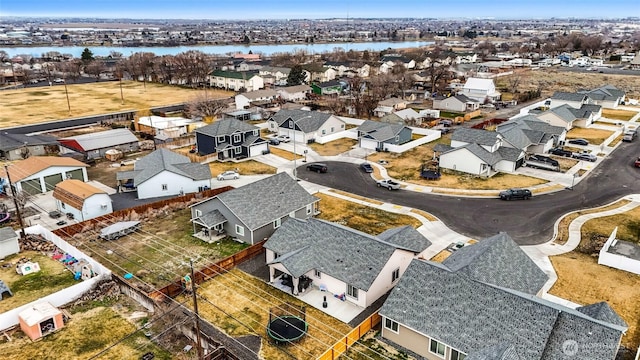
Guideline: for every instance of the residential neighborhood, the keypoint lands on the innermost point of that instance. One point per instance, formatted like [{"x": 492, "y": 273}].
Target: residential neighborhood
[{"x": 475, "y": 197}]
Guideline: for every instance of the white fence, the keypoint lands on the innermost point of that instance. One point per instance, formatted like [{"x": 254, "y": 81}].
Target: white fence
[
  {"x": 351, "y": 134},
  {"x": 617, "y": 261},
  {"x": 429, "y": 136},
  {"x": 10, "y": 318}
]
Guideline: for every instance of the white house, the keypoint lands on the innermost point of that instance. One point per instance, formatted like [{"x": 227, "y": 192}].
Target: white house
[
  {"x": 40, "y": 174},
  {"x": 607, "y": 96},
  {"x": 82, "y": 200},
  {"x": 457, "y": 103},
  {"x": 480, "y": 90},
  {"x": 168, "y": 127},
  {"x": 570, "y": 117},
  {"x": 274, "y": 75},
  {"x": 244, "y": 100},
  {"x": 236, "y": 80},
  {"x": 341, "y": 260},
  {"x": 305, "y": 126},
  {"x": 8, "y": 243},
  {"x": 575, "y": 100},
  {"x": 294, "y": 93}
]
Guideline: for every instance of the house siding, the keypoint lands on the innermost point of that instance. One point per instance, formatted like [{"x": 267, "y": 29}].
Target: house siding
[
  {"x": 450, "y": 104},
  {"x": 554, "y": 120},
  {"x": 53, "y": 170},
  {"x": 462, "y": 160},
  {"x": 405, "y": 136},
  {"x": 205, "y": 143},
  {"x": 232, "y": 220},
  {"x": 413, "y": 341},
  {"x": 175, "y": 185},
  {"x": 399, "y": 259}
]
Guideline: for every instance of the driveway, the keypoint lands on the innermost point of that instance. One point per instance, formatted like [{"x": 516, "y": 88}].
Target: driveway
[{"x": 528, "y": 222}]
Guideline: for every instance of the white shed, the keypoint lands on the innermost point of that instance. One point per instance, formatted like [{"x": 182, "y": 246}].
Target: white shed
[{"x": 8, "y": 242}]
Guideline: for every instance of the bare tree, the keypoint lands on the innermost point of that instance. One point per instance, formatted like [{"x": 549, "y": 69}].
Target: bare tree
[
  {"x": 95, "y": 68},
  {"x": 205, "y": 107},
  {"x": 140, "y": 65},
  {"x": 438, "y": 69},
  {"x": 71, "y": 69},
  {"x": 192, "y": 67}
]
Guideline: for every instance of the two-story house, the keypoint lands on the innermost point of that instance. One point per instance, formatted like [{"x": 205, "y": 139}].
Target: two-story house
[
  {"x": 236, "y": 80},
  {"x": 230, "y": 138},
  {"x": 480, "y": 90}
]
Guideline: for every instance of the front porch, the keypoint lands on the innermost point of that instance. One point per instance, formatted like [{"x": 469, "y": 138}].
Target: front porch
[{"x": 342, "y": 310}]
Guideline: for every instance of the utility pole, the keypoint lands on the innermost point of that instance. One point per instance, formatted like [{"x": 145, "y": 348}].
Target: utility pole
[
  {"x": 195, "y": 310},
  {"x": 15, "y": 202},
  {"x": 67, "y": 93}
]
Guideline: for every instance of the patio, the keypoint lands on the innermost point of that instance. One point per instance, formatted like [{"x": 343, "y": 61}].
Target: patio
[{"x": 344, "y": 311}]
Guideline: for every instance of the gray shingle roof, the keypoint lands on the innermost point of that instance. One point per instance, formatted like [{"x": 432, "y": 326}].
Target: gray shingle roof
[
  {"x": 470, "y": 316},
  {"x": 165, "y": 160},
  {"x": 226, "y": 126},
  {"x": 503, "y": 351},
  {"x": 307, "y": 121},
  {"x": 380, "y": 131},
  {"x": 606, "y": 92},
  {"x": 477, "y": 150},
  {"x": 6, "y": 233},
  {"x": 498, "y": 260},
  {"x": 602, "y": 311},
  {"x": 405, "y": 237},
  {"x": 476, "y": 136},
  {"x": 265, "y": 200},
  {"x": 338, "y": 251},
  {"x": 212, "y": 218},
  {"x": 522, "y": 138},
  {"x": 103, "y": 139},
  {"x": 509, "y": 154},
  {"x": 567, "y": 96},
  {"x": 565, "y": 112},
  {"x": 10, "y": 142}
]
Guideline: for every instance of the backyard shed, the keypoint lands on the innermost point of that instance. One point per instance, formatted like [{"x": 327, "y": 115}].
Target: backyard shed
[
  {"x": 39, "y": 320},
  {"x": 8, "y": 242},
  {"x": 4, "y": 290}
]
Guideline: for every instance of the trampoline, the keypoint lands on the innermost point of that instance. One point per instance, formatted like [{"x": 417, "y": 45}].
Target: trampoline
[{"x": 286, "y": 329}]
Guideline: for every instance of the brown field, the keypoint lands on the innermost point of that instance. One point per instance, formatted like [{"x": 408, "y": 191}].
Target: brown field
[
  {"x": 249, "y": 167},
  {"x": 357, "y": 197},
  {"x": 246, "y": 311},
  {"x": 594, "y": 136},
  {"x": 334, "y": 147},
  {"x": 618, "y": 114},
  {"x": 34, "y": 105},
  {"x": 563, "y": 226},
  {"x": 582, "y": 280},
  {"x": 425, "y": 214},
  {"x": 363, "y": 218},
  {"x": 628, "y": 224},
  {"x": 287, "y": 155}
]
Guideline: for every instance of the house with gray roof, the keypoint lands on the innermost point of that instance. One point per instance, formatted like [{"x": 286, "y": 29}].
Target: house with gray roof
[
  {"x": 252, "y": 213},
  {"x": 465, "y": 310},
  {"x": 532, "y": 134},
  {"x": 94, "y": 145},
  {"x": 458, "y": 103},
  {"x": 342, "y": 260},
  {"x": 607, "y": 96},
  {"x": 569, "y": 117},
  {"x": 480, "y": 152},
  {"x": 256, "y": 97},
  {"x": 236, "y": 80},
  {"x": 21, "y": 146},
  {"x": 572, "y": 99},
  {"x": 230, "y": 138},
  {"x": 306, "y": 126},
  {"x": 294, "y": 93},
  {"x": 164, "y": 173},
  {"x": 374, "y": 135}
]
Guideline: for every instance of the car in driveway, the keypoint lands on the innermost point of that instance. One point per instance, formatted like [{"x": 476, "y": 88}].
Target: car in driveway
[
  {"x": 585, "y": 157},
  {"x": 561, "y": 152},
  {"x": 274, "y": 141},
  {"x": 637, "y": 162},
  {"x": 366, "y": 167},
  {"x": 389, "y": 184},
  {"x": 544, "y": 159},
  {"x": 228, "y": 175},
  {"x": 513, "y": 194},
  {"x": 582, "y": 142},
  {"x": 283, "y": 138},
  {"x": 317, "y": 167}
]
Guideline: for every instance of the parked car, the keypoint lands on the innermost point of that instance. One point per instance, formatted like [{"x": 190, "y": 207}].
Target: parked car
[
  {"x": 582, "y": 142},
  {"x": 58, "y": 80},
  {"x": 389, "y": 184},
  {"x": 274, "y": 141},
  {"x": 228, "y": 175},
  {"x": 629, "y": 135},
  {"x": 366, "y": 167},
  {"x": 637, "y": 163},
  {"x": 511, "y": 194},
  {"x": 317, "y": 167},
  {"x": 561, "y": 152},
  {"x": 544, "y": 159},
  {"x": 585, "y": 156},
  {"x": 284, "y": 138}
]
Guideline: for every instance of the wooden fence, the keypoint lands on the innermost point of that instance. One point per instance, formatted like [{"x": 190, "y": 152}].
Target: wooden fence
[
  {"x": 351, "y": 338},
  {"x": 209, "y": 271},
  {"x": 120, "y": 215}
]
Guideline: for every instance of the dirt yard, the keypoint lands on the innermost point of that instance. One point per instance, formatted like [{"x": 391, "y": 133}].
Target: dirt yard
[
  {"x": 34, "y": 105},
  {"x": 335, "y": 147},
  {"x": 583, "y": 281},
  {"x": 593, "y": 136},
  {"x": 618, "y": 114}
]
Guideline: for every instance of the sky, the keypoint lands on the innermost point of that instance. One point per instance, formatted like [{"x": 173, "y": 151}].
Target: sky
[{"x": 298, "y": 9}]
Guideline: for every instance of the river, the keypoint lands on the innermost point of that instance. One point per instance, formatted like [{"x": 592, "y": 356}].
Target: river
[{"x": 76, "y": 51}]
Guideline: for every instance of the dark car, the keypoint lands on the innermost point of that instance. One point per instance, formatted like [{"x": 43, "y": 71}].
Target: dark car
[
  {"x": 561, "y": 152},
  {"x": 585, "y": 156},
  {"x": 544, "y": 159},
  {"x": 582, "y": 142},
  {"x": 511, "y": 194},
  {"x": 317, "y": 167},
  {"x": 366, "y": 167},
  {"x": 274, "y": 141}
]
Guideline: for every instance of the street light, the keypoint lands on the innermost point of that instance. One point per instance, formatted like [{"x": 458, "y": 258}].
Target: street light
[{"x": 295, "y": 155}]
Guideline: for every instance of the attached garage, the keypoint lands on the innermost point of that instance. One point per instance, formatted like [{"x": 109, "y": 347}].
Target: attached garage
[{"x": 258, "y": 149}]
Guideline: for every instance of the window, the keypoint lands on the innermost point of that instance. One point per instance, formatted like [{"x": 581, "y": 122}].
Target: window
[
  {"x": 324, "y": 132},
  {"x": 391, "y": 325},
  {"x": 239, "y": 230},
  {"x": 237, "y": 138},
  {"x": 342, "y": 126},
  {"x": 352, "y": 291},
  {"x": 62, "y": 205},
  {"x": 397, "y": 138},
  {"x": 277, "y": 223},
  {"x": 332, "y": 129},
  {"x": 457, "y": 355},
  {"x": 309, "y": 209},
  {"x": 221, "y": 138},
  {"x": 165, "y": 187},
  {"x": 317, "y": 273},
  {"x": 395, "y": 275},
  {"x": 436, "y": 347},
  {"x": 291, "y": 124},
  {"x": 237, "y": 150},
  {"x": 255, "y": 132}
]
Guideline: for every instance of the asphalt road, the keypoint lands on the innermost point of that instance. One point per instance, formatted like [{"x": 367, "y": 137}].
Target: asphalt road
[{"x": 528, "y": 222}]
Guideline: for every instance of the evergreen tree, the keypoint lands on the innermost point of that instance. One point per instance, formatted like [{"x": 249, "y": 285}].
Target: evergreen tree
[
  {"x": 87, "y": 56},
  {"x": 296, "y": 76}
]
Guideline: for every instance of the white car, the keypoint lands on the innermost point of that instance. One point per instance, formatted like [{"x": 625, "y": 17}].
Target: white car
[
  {"x": 58, "y": 81},
  {"x": 284, "y": 138},
  {"x": 228, "y": 175},
  {"x": 389, "y": 184}
]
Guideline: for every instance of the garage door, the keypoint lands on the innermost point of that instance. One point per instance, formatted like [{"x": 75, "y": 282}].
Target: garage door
[
  {"x": 31, "y": 187},
  {"x": 519, "y": 163},
  {"x": 75, "y": 174},
  {"x": 51, "y": 181},
  {"x": 257, "y": 149}
]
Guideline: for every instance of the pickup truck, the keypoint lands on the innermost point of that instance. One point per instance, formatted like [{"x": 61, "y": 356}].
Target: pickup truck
[
  {"x": 389, "y": 184},
  {"x": 629, "y": 135}
]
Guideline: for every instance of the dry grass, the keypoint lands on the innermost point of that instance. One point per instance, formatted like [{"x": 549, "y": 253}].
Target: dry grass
[
  {"x": 582, "y": 280},
  {"x": 360, "y": 217},
  {"x": 371, "y": 348},
  {"x": 565, "y": 162},
  {"x": 357, "y": 197},
  {"x": 84, "y": 336},
  {"x": 563, "y": 226},
  {"x": 247, "y": 306},
  {"x": 424, "y": 214},
  {"x": 52, "y": 277},
  {"x": 618, "y": 114},
  {"x": 594, "y": 136},
  {"x": 441, "y": 256},
  {"x": 285, "y": 154},
  {"x": 334, "y": 147},
  {"x": 628, "y": 224},
  {"x": 615, "y": 141},
  {"x": 462, "y": 192},
  {"x": 470, "y": 182},
  {"x": 34, "y": 105},
  {"x": 248, "y": 167}
]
